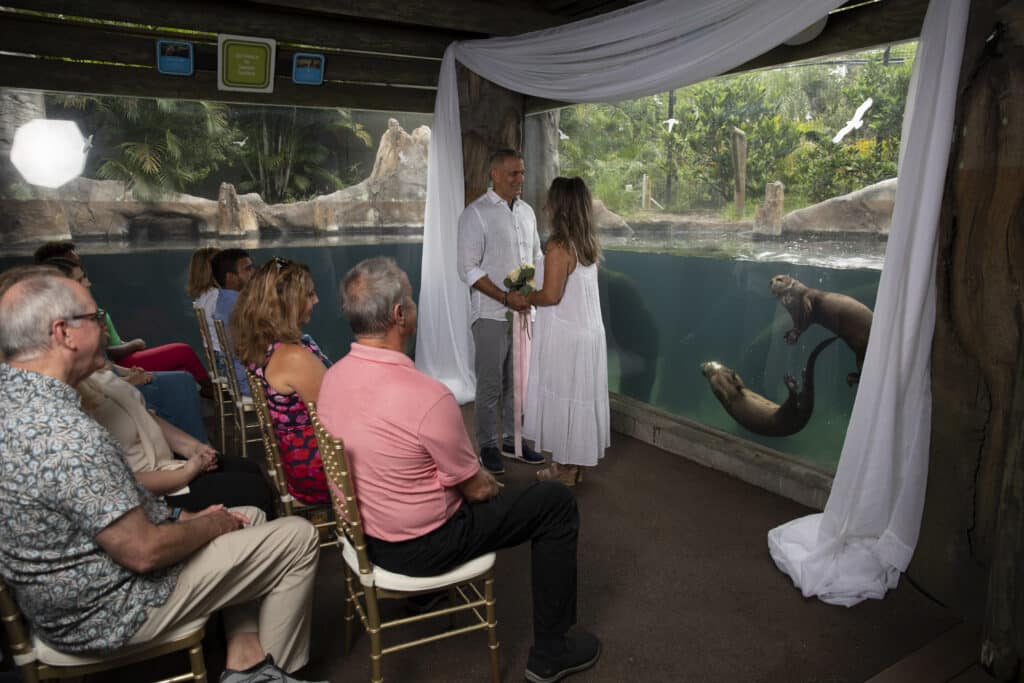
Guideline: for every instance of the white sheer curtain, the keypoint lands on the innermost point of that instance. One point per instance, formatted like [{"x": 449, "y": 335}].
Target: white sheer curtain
[
  {"x": 868, "y": 532},
  {"x": 639, "y": 50},
  {"x": 865, "y": 538}
]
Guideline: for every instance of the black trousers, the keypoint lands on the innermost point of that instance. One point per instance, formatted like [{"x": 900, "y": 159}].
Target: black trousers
[
  {"x": 543, "y": 513},
  {"x": 235, "y": 482}
]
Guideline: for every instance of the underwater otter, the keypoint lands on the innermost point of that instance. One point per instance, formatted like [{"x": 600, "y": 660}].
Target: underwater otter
[
  {"x": 839, "y": 314},
  {"x": 756, "y": 413}
]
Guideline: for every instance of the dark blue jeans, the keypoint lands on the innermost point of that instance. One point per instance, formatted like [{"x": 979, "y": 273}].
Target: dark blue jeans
[
  {"x": 543, "y": 513},
  {"x": 173, "y": 396}
]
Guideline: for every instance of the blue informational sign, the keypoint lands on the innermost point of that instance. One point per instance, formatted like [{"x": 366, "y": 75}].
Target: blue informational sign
[
  {"x": 174, "y": 57},
  {"x": 308, "y": 68}
]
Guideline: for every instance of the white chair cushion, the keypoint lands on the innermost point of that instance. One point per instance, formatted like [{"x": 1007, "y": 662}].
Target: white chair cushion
[
  {"x": 391, "y": 581},
  {"x": 48, "y": 655}
]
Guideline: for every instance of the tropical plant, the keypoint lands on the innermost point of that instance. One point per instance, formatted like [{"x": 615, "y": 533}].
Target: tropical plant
[
  {"x": 708, "y": 116},
  {"x": 290, "y": 153},
  {"x": 789, "y": 115},
  {"x": 155, "y": 146}
]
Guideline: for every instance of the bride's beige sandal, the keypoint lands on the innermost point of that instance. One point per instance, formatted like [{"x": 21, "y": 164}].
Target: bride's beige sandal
[{"x": 567, "y": 474}]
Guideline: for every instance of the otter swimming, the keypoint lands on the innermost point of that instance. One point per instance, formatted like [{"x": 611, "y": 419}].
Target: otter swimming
[
  {"x": 756, "y": 413},
  {"x": 840, "y": 314}
]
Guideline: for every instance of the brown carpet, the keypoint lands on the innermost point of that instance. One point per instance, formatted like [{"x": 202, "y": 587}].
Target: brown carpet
[{"x": 675, "y": 578}]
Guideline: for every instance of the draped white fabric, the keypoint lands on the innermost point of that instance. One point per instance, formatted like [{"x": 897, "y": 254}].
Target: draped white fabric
[
  {"x": 865, "y": 538},
  {"x": 867, "y": 534},
  {"x": 643, "y": 49}
]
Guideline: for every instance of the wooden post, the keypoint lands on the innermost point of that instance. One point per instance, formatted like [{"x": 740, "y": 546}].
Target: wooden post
[
  {"x": 739, "y": 169},
  {"x": 645, "y": 202}
]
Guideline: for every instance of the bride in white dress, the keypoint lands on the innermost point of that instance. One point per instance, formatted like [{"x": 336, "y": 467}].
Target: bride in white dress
[{"x": 566, "y": 408}]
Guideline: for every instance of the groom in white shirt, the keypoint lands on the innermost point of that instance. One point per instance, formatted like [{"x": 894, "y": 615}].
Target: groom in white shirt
[{"x": 497, "y": 233}]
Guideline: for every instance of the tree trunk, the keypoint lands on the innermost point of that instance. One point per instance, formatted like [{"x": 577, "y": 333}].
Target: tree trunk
[
  {"x": 969, "y": 552},
  {"x": 492, "y": 119}
]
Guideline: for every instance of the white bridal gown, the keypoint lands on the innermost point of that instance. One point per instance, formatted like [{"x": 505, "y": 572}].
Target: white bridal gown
[{"x": 566, "y": 408}]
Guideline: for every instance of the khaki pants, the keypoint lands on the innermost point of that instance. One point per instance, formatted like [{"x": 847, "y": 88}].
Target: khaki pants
[{"x": 263, "y": 574}]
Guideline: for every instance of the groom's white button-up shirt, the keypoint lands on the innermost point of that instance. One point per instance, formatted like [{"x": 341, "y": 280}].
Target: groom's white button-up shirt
[{"x": 493, "y": 241}]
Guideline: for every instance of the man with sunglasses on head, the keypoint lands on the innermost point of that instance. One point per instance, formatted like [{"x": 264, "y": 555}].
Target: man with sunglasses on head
[{"x": 96, "y": 563}]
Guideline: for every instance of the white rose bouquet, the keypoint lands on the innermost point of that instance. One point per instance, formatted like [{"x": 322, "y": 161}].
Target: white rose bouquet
[{"x": 520, "y": 280}]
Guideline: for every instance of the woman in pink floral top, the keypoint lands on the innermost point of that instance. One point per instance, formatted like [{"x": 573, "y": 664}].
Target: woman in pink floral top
[{"x": 266, "y": 327}]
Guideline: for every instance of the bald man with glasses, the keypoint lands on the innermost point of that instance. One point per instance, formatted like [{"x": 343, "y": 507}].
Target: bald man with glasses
[{"x": 96, "y": 562}]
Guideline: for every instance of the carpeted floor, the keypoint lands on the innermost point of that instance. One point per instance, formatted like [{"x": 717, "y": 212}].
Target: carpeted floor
[{"x": 675, "y": 578}]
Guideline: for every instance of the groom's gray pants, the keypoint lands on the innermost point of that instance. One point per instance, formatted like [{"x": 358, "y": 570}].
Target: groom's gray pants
[{"x": 493, "y": 340}]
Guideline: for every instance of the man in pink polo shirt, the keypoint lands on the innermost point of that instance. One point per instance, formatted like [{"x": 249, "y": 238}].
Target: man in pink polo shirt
[{"x": 426, "y": 504}]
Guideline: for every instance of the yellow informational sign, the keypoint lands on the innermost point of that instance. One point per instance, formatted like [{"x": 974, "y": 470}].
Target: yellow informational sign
[{"x": 245, "y": 63}]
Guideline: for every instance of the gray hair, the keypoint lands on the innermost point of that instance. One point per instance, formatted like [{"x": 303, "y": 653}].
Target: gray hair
[
  {"x": 498, "y": 156},
  {"x": 28, "y": 308},
  {"x": 368, "y": 294}
]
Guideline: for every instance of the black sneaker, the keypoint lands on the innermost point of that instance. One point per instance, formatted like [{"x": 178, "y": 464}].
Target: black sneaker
[
  {"x": 490, "y": 456},
  {"x": 579, "y": 651},
  {"x": 264, "y": 672},
  {"x": 530, "y": 456}
]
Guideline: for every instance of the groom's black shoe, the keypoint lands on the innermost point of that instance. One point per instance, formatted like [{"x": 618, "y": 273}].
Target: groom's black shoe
[
  {"x": 490, "y": 456},
  {"x": 530, "y": 456}
]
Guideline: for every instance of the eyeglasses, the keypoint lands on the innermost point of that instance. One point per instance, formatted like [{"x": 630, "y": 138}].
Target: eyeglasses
[
  {"x": 280, "y": 262},
  {"x": 98, "y": 317}
]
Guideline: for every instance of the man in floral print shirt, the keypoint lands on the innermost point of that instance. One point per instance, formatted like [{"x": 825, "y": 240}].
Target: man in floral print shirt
[{"x": 95, "y": 561}]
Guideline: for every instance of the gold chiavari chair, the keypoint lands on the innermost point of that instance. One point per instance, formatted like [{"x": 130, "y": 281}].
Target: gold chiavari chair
[
  {"x": 37, "y": 661},
  {"x": 247, "y": 428},
  {"x": 366, "y": 585},
  {"x": 222, "y": 393},
  {"x": 322, "y": 516}
]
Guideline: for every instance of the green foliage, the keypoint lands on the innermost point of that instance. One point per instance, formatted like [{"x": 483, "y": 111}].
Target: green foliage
[
  {"x": 289, "y": 153},
  {"x": 610, "y": 146},
  {"x": 789, "y": 116},
  {"x": 829, "y": 170},
  {"x": 159, "y": 146},
  {"x": 155, "y": 146}
]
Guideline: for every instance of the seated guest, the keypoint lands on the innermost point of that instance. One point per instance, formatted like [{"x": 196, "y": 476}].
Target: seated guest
[
  {"x": 232, "y": 270},
  {"x": 94, "y": 560},
  {"x": 171, "y": 394},
  {"x": 426, "y": 504},
  {"x": 266, "y": 326},
  {"x": 202, "y": 287},
  {"x": 176, "y": 356},
  {"x": 150, "y": 444}
]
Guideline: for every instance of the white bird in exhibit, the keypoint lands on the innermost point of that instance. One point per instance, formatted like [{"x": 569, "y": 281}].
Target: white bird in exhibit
[
  {"x": 856, "y": 122},
  {"x": 671, "y": 123}
]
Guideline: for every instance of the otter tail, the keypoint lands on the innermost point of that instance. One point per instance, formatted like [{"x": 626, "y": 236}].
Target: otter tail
[{"x": 808, "y": 392}]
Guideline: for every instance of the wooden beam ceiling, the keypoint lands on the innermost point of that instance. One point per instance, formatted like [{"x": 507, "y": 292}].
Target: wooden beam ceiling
[
  {"x": 471, "y": 16},
  {"x": 221, "y": 16},
  {"x": 381, "y": 54}
]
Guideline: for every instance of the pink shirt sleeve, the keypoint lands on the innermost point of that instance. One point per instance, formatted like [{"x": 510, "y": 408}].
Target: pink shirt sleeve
[{"x": 443, "y": 434}]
